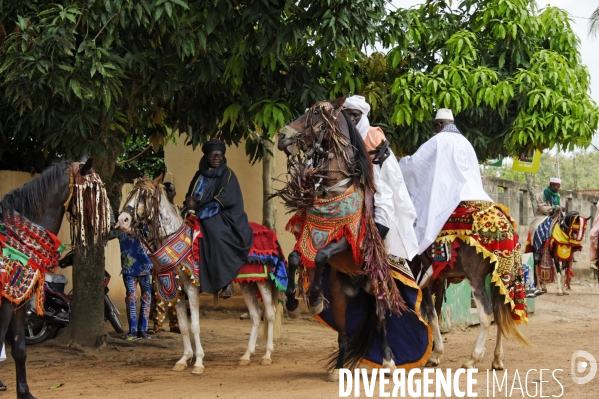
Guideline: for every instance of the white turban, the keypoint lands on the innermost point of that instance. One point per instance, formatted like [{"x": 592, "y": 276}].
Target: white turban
[
  {"x": 359, "y": 103},
  {"x": 555, "y": 180}
]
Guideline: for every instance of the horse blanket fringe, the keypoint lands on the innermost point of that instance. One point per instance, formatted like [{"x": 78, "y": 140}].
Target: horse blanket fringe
[
  {"x": 491, "y": 230},
  {"x": 181, "y": 251},
  {"x": 28, "y": 252},
  {"x": 265, "y": 260}
]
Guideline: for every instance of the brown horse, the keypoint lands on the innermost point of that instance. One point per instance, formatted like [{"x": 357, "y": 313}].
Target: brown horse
[
  {"x": 39, "y": 207},
  {"x": 334, "y": 162}
]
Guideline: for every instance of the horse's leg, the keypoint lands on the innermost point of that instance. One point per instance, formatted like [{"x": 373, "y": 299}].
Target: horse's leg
[
  {"x": 269, "y": 318},
  {"x": 388, "y": 362},
  {"x": 498, "y": 355},
  {"x": 427, "y": 307},
  {"x": 485, "y": 315},
  {"x": 184, "y": 327},
  {"x": 19, "y": 351},
  {"x": 193, "y": 294},
  {"x": 215, "y": 301},
  {"x": 293, "y": 309},
  {"x": 558, "y": 277},
  {"x": 565, "y": 268},
  {"x": 6, "y": 313},
  {"x": 339, "y": 306},
  {"x": 321, "y": 258},
  {"x": 249, "y": 296}
]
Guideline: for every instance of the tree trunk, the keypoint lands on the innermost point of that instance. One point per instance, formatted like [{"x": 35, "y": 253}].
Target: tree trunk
[
  {"x": 530, "y": 186},
  {"x": 268, "y": 171},
  {"x": 87, "y": 309}
]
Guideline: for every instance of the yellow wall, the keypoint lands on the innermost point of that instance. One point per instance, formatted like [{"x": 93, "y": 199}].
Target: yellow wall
[{"x": 182, "y": 162}]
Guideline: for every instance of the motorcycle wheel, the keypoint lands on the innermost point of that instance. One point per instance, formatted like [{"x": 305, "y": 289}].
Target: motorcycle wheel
[
  {"x": 38, "y": 331},
  {"x": 111, "y": 314}
]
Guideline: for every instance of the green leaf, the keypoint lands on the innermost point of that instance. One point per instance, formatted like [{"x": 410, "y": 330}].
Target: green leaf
[{"x": 76, "y": 87}]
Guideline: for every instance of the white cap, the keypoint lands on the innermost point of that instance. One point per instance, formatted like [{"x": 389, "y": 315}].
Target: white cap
[
  {"x": 555, "y": 180},
  {"x": 444, "y": 113}
]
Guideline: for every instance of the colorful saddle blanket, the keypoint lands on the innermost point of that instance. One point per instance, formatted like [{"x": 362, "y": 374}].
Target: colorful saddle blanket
[
  {"x": 265, "y": 260},
  {"x": 181, "y": 251},
  {"x": 28, "y": 252},
  {"x": 329, "y": 220},
  {"x": 491, "y": 230}
]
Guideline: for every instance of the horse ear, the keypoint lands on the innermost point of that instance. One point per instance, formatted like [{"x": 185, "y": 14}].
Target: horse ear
[
  {"x": 158, "y": 181},
  {"x": 337, "y": 103},
  {"x": 87, "y": 167}
]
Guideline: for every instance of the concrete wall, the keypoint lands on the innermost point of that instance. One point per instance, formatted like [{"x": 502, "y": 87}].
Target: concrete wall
[{"x": 515, "y": 196}]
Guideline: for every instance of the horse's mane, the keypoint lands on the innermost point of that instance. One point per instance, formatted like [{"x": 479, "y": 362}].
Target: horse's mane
[
  {"x": 362, "y": 158},
  {"x": 31, "y": 199}
]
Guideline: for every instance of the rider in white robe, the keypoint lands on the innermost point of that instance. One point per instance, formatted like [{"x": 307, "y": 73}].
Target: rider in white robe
[
  {"x": 441, "y": 174},
  {"x": 393, "y": 208}
]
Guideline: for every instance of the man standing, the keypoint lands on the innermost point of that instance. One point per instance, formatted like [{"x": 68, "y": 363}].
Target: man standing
[
  {"x": 214, "y": 194},
  {"x": 443, "y": 173},
  {"x": 394, "y": 213}
]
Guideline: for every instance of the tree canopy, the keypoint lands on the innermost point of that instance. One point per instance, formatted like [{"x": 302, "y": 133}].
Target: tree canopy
[{"x": 511, "y": 73}]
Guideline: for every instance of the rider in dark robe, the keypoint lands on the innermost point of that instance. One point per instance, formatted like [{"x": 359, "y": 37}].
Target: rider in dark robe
[{"x": 226, "y": 234}]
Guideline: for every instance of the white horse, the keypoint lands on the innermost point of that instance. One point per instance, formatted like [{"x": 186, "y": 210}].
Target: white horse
[{"x": 147, "y": 207}]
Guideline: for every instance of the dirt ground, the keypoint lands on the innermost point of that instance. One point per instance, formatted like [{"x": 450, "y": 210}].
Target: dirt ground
[{"x": 142, "y": 369}]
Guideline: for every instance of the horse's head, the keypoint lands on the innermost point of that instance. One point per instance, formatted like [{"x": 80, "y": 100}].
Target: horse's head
[
  {"x": 148, "y": 212},
  {"x": 314, "y": 126},
  {"x": 574, "y": 225}
]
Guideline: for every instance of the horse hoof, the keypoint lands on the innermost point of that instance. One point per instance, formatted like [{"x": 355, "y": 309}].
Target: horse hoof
[
  {"x": 244, "y": 362},
  {"x": 497, "y": 365},
  {"x": 179, "y": 367},
  {"x": 266, "y": 362},
  {"x": 294, "y": 314},
  {"x": 197, "y": 370},
  {"x": 333, "y": 376},
  {"x": 431, "y": 363},
  {"x": 560, "y": 294},
  {"x": 468, "y": 365},
  {"x": 389, "y": 364},
  {"x": 317, "y": 307}
]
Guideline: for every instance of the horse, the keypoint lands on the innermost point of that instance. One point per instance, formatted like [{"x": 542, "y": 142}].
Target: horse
[
  {"x": 554, "y": 243},
  {"x": 32, "y": 216},
  {"x": 148, "y": 209},
  {"x": 327, "y": 153}
]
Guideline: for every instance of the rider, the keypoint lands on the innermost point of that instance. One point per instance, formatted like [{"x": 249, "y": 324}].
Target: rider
[
  {"x": 548, "y": 209},
  {"x": 439, "y": 176},
  {"x": 215, "y": 195},
  {"x": 159, "y": 310},
  {"x": 394, "y": 213}
]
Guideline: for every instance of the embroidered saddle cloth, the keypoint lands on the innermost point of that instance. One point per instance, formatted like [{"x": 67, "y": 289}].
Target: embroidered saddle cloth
[
  {"x": 180, "y": 252},
  {"x": 28, "y": 252},
  {"x": 491, "y": 230}
]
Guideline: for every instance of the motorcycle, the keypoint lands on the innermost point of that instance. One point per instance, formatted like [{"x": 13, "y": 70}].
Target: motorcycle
[{"x": 57, "y": 307}]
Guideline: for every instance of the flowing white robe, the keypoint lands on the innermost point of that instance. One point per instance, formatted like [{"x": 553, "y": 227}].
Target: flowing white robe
[
  {"x": 393, "y": 207},
  {"x": 442, "y": 173}
]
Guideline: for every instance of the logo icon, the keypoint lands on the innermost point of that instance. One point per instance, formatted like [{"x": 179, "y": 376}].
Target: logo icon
[{"x": 579, "y": 366}]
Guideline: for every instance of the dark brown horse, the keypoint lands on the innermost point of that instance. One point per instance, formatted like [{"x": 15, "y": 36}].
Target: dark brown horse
[
  {"x": 334, "y": 161},
  {"x": 44, "y": 201}
]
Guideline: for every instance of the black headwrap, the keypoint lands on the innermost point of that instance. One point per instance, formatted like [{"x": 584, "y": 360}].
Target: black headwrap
[{"x": 214, "y": 145}]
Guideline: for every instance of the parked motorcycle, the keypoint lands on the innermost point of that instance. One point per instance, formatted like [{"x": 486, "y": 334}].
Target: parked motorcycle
[{"x": 57, "y": 307}]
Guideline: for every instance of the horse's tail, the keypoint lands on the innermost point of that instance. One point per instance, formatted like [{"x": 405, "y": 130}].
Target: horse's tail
[
  {"x": 503, "y": 317},
  {"x": 361, "y": 339}
]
